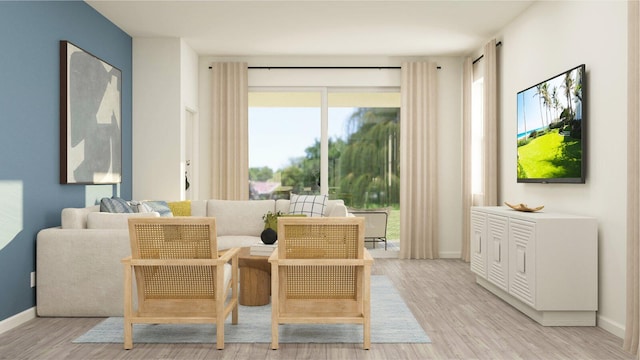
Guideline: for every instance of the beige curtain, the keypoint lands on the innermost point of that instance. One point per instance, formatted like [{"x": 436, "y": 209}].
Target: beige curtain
[
  {"x": 418, "y": 162},
  {"x": 490, "y": 127},
  {"x": 230, "y": 134},
  {"x": 467, "y": 196},
  {"x": 489, "y": 142},
  {"x": 632, "y": 333}
]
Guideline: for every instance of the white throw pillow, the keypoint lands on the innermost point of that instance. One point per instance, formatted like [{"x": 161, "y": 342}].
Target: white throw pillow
[{"x": 310, "y": 205}]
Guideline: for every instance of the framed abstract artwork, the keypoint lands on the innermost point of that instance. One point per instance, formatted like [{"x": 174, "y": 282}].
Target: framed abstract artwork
[{"x": 90, "y": 118}]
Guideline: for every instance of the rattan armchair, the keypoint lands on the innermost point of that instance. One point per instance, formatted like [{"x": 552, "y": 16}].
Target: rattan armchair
[
  {"x": 179, "y": 276},
  {"x": 320, "y": 273}
]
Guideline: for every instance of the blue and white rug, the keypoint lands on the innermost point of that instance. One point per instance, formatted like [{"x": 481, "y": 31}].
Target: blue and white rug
[{"x": 391, "y": 322}]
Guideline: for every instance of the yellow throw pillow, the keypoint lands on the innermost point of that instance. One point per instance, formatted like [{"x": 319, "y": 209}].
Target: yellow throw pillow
[{"x": 180, "y": 208}]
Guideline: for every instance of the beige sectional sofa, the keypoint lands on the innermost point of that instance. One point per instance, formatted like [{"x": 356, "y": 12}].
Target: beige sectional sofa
[{"x": 78, "y": 264}]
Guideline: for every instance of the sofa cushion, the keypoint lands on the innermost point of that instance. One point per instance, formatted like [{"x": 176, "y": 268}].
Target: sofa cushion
[
  {"x": 239, "y": 217},
  {"x": 76, "y": 218},
  {"x": 310, "y": 205},
  {"x": 335, "y": 208},
  {"x": 105, "y": 220},
  {"x": 115, "y": 205},
  {"x": 198, "y": 207}
]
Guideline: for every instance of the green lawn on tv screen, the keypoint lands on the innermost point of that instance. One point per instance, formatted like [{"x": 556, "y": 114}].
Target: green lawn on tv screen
[{"x": 550, "y": 156}]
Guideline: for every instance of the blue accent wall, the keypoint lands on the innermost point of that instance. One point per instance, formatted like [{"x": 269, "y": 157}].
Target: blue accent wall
[{"x": 31, "y": 196}]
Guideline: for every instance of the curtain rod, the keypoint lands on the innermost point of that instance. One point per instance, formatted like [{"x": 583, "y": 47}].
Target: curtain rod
[
  {"x": 324, "y": 67},
  {"x": 481, "y": 56},
  {"x": 328, "y": 67}
]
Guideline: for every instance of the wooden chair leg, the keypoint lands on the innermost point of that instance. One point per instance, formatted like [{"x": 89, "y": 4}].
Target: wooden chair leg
[
  {"x": 366, "y": 306},
  {"x": 234, "y": 291},
  {"x": 220, "y": 333},
  {"x": 367, "y": 335},
  {"x": 128, "y": 335},
  {"x": 275, "y": 305},
  {"x": 128, "y": 308},
  {"x": 274, "y": 336},
  {"x": 234, "y": 315}
]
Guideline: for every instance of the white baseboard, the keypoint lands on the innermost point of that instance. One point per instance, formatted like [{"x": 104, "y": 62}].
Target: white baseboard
[
  {"x": 17, "y": 319},
  {"x": 449, "y": 255},
  {"x": 611, "y": 326}
]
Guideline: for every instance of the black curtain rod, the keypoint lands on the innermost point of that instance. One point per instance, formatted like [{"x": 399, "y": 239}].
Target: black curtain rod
[
  {"x": 327, "y": 67},
  {"x": 324, "y": 67},
  {"x": 481, "y": 56}
]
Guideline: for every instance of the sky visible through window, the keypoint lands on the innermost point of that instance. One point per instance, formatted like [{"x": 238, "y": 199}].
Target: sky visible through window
[{"x": 277, "y": 135}]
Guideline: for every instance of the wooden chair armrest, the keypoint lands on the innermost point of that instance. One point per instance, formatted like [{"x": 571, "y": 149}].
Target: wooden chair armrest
[
  {"x": 228, "y": 254},
  {"x": 367, "y": 256}
]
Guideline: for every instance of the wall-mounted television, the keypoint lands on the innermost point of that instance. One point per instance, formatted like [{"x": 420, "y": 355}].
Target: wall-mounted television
[{"x": 551, "y": 130}]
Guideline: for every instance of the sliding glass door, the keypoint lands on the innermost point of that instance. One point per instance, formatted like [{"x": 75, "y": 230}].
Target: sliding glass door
[{"x": 341, "y": 142}]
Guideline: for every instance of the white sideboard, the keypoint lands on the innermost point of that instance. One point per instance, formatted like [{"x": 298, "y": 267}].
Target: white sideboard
[{"x": 543, "y": 264}]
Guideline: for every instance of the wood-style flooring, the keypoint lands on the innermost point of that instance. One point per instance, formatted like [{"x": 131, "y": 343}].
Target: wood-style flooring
[{"x": 463, "y": 320}]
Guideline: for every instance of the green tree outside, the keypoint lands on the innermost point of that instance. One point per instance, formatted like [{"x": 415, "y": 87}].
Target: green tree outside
[{"x": 364, "y": 168}]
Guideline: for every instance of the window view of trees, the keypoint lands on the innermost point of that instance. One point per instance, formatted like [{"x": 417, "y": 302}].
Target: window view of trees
[
  {"x": 364, "y": 166},
  {"x": 369, "y": 160},
  {"x": 361, "y": 145}
]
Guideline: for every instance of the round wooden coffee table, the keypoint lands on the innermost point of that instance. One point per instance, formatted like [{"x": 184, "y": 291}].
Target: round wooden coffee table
[{"x": 255, "y": 278}]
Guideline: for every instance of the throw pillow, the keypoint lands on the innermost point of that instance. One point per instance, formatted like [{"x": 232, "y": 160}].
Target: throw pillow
[
  {"x": 160, "y": 207},
  {"x": 309, "y": 205},
  {"x": 115, "y": 205},
  {"x": 180, "y": 208}
]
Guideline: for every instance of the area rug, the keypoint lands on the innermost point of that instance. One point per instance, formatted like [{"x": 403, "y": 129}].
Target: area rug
[{"x": 391, "y": 322}]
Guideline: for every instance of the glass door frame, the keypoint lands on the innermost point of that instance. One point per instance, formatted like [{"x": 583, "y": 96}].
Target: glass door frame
[{"x": 324, "y": 116}]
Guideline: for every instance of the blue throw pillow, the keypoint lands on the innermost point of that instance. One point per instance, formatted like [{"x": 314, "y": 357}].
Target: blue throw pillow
[
  {"x": 115, "y": 205},
  {"x": 159, "y": 206}
]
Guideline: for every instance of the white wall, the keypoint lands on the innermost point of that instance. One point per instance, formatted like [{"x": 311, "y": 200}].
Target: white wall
[
  {"x": 549, "y": 38},
  {"x": 450, "y": 156},
  {"x": 164, "y": 83},
  {"x": 189, "y": 133},
  {"x": 449, "y": 127}
]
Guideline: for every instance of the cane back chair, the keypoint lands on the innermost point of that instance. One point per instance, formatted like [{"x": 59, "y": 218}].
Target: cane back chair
[
  {"x": 179, "y": 276},
  {"x": 320, "y": 273}
]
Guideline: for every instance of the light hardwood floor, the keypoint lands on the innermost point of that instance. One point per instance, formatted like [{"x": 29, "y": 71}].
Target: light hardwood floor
[{"x": 463, "y": 320}]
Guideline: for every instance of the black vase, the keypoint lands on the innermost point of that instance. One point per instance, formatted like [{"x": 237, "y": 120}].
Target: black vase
[{"x": 269, "y": 236}]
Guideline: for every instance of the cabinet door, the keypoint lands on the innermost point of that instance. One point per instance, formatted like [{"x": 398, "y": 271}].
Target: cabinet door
[
  {"x": 478, "y": 244},
  {"x": 522, "y": 264},
  {"x": 497, "y": 251}
]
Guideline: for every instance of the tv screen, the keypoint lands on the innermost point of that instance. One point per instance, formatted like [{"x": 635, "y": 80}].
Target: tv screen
[{"x": 551, "y": 132}]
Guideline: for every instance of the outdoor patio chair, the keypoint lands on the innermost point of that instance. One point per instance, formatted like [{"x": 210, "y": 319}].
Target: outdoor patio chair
[{"x": 375, "y": 225}]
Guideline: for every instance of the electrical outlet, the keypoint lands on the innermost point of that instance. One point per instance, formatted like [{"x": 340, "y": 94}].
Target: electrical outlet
[{"x": 33, "y": 279}]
